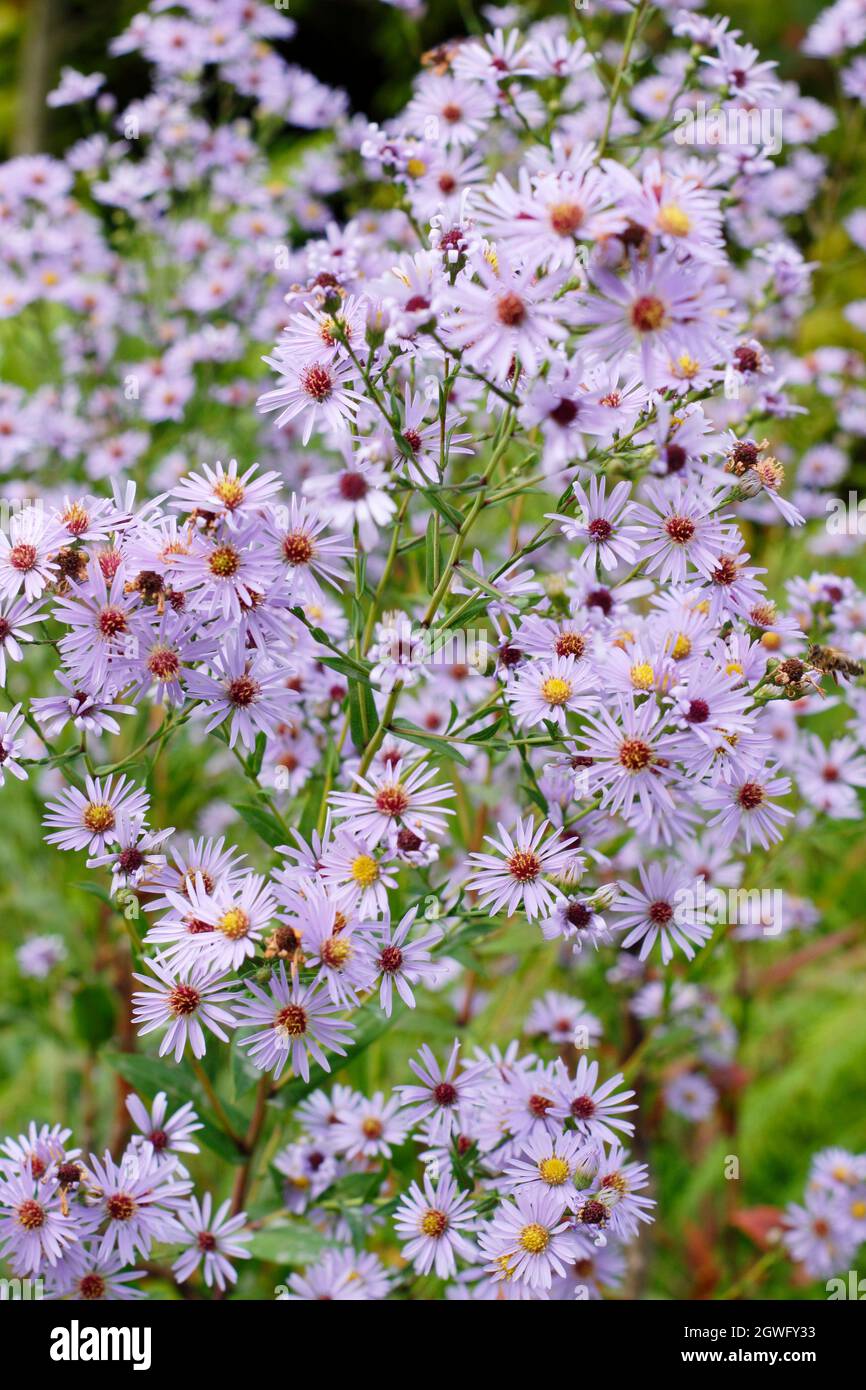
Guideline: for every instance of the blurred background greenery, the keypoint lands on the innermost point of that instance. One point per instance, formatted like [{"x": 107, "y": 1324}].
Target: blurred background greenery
[{"x": 800, "y": 1007}]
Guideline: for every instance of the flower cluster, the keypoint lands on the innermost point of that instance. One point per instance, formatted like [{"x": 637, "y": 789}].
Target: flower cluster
[
  {"x": 825, "y": 1232},
  {"x": 556, "y": 1197},
  {"x": 447, "y": 530},
  {"x": 78, "y": 1223}
]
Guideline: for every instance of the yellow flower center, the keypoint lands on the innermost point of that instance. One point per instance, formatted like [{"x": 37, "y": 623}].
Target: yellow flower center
[
  {"x": 415, "y": 168},
  {"x": 534, "y": 1238},
  {"x": 686, "y": 366},
  {"x": 336, "y": 951},
  {"x": 733, "y": 668},
  {"x": 234, "y": 923},
  {"x": 365, "y": 870},
  {"x": 555, "y": 690},
  {"x": 642, "y": 676},
  {"x": 98, "y": 815},
  {"x": 554, "y": 1171},
  {"x": 434, "y": 1223},
  {"x": 230, "y": 492},
  {"x": 674, "y": 221},
  {"x": 682, "y": 647}
]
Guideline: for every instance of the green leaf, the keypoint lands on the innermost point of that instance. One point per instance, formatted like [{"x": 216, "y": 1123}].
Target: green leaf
[
  {"x": 295, "y": 1244},
  {"x": 352, "y": 670},
  {"x": 258, "y": 754},
  {"x": 427, "y": 740},
  {"x": 453, "y": 517},
  {"x": 266, "y": 826},
  {"x": 93, "y": 1014},
  {"x": 432, "y": 555}
]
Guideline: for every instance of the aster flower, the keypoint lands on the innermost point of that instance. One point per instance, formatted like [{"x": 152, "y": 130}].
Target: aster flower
[
  {"x": 509, "y": 316},
  {"x": 422, "y": 454},
  {"x": 136, "y": 1200},
  {"x": 292, "y": 1022},
  {"x": 28, "y": 553},
  {"x": 431, "y": 1221},
  {"x": 528, "y": 1240},
  {"x": 35, "y": 1229},
  {"x": 543, "y": 219},
  {"x": 166, "y": 1134},
  {"x": 308, "y": 554},
  {"x": 218, "y": 866},
  {"x": 306, "y": 1172},
  {"x": 223, "y": 493},
  {"x": 460, "y": 109},
  {"x": 548, "y": 690},
  {"x": 558, "y": 1017},
  {"x": 88, "y": 713},
  {"x": 348, "y": 864},
  {"x": 39, "y": 955},
  {"x": 90, "y": 821},
  {"x": 247, "y": 687},
  {"x": 596, "y": 1110},
  {"x": 631, "y": 760},
  {"x": 744, "y": 806},
  {"x": 237, "y": 913},
  {"x": 369, "y": 1129},
  {"x": 602, "y": 523},
  {"x": 547, "y": 1165},
  {"x": 443, "y": 1090},
  {"x": 82, "y": 1277},
  {"x": 40, "y": 1150},
  {"x": 136, "y": 854},
  {"x": 326, "y": 936},
  {"x": 319, "y": 390},
  {"x": 691, "y": 1095},
  {"x": 664, "y": 908},
  {"x": 614, "y": 1197},
  {"x": 341, "y": 1276},
  {"x": 578, "y": 921},
  {"x": 386, "y": 800},
  {"x": 10, "y": 746},
  {"x": 662, "y": 307},
  {"x": 184, "y": 1001},
  {"x": 106, "y": 626},
  {"x": 226, "y": 573},
  {"x": 212, "y": 1240},
  {"x": 682, "y": 529},
  {"x": 813, "y": 1235},
  {"x": 516, "y": 878},
  {"x": 402, "y": 963}
]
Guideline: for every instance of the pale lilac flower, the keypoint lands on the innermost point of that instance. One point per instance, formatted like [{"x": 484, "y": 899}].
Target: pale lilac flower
[
  {"x": 211, "y": 1240},
  {"x": 515, "y": 876},
  {"x": 184, "y": 1001},
  {"x": 137, "y": 1201},
  {"x": 400, "y": 962},
  {"x": 165, "y": 1134},
  {"x": 35, "y": 1229},
  {"x": 442, "y": 1092},
  {"x": 528, "y": 1239},
  {"x": 546, "y": 691},
  {"x": 298, "y": 1022},
  {"x": 388, "y": 799},
  {"x": 431, "y": 1221},
  {"x": 11, "y": 746},
  {"x": 90, "y": 822}
]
